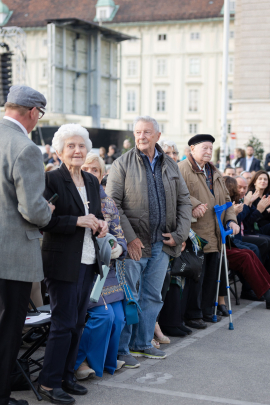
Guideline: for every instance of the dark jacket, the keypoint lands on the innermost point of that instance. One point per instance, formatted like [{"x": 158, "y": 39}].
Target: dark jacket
[
  {"x": 63, "y": 240},
  {"x": 127, "y": 185},
  {"x": 267, "y": 160},
  {"x": 255, "y": 165},
  {"x": 112, "y": 291}
]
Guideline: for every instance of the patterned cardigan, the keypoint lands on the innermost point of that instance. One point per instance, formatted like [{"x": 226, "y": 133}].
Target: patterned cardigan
[{"x": 112, "y": 291}]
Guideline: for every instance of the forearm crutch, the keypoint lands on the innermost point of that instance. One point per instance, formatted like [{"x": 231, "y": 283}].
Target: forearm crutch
[{"x": 218, "y": 210}]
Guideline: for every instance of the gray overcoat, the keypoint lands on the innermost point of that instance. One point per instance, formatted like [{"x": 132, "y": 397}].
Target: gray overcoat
[{"x": 22, "y": 206}]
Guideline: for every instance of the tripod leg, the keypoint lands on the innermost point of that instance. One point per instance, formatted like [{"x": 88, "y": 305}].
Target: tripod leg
[
  {"x": 228, "y": 290},
  {"x": 214, "y": 318}
]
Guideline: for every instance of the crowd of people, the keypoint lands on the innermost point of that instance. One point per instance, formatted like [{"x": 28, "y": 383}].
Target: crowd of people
[{"x": 154, "y": 206}]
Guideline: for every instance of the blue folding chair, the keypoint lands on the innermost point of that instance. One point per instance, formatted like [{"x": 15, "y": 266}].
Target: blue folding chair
[{"x": 219, "y": 210}]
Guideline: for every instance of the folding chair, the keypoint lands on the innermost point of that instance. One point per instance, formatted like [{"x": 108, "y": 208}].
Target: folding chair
[
  {"x": 233, "y": 278},
  {"x": 44, "y": 327}
]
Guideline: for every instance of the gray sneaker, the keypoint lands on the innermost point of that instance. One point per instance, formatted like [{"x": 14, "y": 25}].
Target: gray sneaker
[
  {"x": 130, "y": 361},
  {"x": 151, "y": 353}
]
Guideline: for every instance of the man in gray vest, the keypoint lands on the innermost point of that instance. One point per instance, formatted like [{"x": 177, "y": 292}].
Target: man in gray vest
[
  {"x": 22, "y": 211},
  {"x": 155, "y": 213}
]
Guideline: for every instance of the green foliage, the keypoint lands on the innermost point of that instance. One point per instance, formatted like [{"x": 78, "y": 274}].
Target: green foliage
[{"x": 257, "y": 146}]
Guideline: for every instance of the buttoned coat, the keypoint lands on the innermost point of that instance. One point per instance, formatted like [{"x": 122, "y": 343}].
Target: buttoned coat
[
  {"x": 23, "y": 208},
  {"x": 207, "y": 226},
  {"x": 127, "y": 185}
]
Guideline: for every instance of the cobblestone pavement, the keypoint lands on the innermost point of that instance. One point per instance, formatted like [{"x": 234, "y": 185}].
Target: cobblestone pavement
[{"x": 211, "y": 366}]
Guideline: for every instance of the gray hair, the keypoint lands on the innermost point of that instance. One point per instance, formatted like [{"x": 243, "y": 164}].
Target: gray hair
[
  {"x": 146, "y": 118},
  {"x": 66, "y": 131},
  {"x": 92, "y": 157},
  {"x": 171, "y": 144}
]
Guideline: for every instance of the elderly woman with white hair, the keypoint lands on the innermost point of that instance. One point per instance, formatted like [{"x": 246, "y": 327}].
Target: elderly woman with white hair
[
  {"x": 170, "y": 149},
  {"x": 100, "y": 340},
  {"x": 70, "y": 259}
]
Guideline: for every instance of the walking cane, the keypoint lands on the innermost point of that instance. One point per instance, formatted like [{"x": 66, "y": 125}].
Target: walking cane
[{"x": 218, "y": 210}]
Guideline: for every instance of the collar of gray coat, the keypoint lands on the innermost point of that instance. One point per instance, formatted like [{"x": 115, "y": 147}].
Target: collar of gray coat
[
  {"x": 159, "y": 149},
  {"x": 12, "y": 125}
]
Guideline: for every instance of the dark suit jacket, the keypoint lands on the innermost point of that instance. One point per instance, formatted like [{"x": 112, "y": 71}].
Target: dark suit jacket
[
  {"x": 255, "y": 165},
  {"x": 63, "y": 240}
]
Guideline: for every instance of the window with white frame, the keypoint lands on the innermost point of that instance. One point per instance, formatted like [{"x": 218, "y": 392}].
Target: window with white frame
[
  {"x": 102, "y": 14},
  {"x": 229, "y": 128},
  {"x": 161, "y": 67},
  {"x": 193, "y": 100},
  {"x": 193, "y": 128},
  {"x": 230, "y": 97},
  {"x": 132, "y": 67},
  {"x": 162, "y": 128},
  {"x": 131, "y": 100},
  {"x": 231, "y": 34},
  {"x": 195, "y": 36},
  {"x": 232, "y": 5},
  {"x": 194, "y": 66},
  {"x": 44, "y": 70},
  {"x": 130, "y": 126},
  {"x": 162, "y": 37},
  {"x": 161, "y": 100},
  {"x": 231, "y": 65}
]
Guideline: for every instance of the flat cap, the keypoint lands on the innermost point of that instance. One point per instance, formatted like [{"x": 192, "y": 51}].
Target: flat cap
[
  {"x": 200, "y": 138},
  {"x": 26, "y": 97}
]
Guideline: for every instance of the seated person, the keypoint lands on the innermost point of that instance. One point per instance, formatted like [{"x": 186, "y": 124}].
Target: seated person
[{"x": 100, "y": 339}]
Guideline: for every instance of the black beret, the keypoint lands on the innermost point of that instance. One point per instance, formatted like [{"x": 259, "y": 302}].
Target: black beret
[{"x": 201, "y": 138}]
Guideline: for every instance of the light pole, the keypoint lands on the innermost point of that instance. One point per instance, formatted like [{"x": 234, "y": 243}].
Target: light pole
[{"x": 224, "y": 94}]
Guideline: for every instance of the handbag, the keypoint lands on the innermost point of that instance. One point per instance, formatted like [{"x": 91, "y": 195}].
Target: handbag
[
  {"x": 189, "y": 264},
  {"x": 17, "y": 379},
  {"x": 96, "y": 291},
  {"x": 130, "y": 305}
]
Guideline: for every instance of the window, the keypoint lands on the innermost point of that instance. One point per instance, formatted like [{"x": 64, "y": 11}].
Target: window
[
  {"x": 162, "y": 128},
  {"x": 194, "y": 66},
  {"x": 131, "y": 101},
  {"x": 195, "y": 36},
  {"x": 130, "y": 126},
  {"x": 231, "y": 65},
  {"x": 193, "y": 97},
  {"x": 231, "y": 34},
  {"x": 232, "y": 5},
  {"x": 162, "y": 37},
  {"x": 161, "y": 67},
  {"x": 44, "y": 70},
  {"x": 229, "y": 128},
  {"x": 161, "y": 100},
  {"x": 102, "y": 14},
  {"x": 193, "y": 128},
  {"x": 132, "y": 68},
  {"x": 230, "y": 96},
  {"x": 103, "y": 125},
  {"x": 44, "y": 42}
]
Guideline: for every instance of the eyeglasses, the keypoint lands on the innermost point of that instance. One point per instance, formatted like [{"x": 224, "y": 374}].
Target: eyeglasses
[
  {"x": 40, "y": 114},
  {"x": 172, "y": 153}
]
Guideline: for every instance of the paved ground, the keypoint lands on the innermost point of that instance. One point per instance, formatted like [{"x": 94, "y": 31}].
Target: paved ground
[{"x": 213, "y": 366}]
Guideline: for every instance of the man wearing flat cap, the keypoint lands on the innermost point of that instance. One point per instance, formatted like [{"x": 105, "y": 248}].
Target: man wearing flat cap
[
  {"x": 207, "y": 189},
  {"x": 22, "y": 211}
]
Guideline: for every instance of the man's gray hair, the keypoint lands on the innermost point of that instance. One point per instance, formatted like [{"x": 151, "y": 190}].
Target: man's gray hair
[
  {"x": 171, "y": 144},
  {"x": 241, "y": 177},
  {"x": 146, "y": 118}
]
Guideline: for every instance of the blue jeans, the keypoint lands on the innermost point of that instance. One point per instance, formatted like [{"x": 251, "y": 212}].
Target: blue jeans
[{"x": 150, "y": 272}]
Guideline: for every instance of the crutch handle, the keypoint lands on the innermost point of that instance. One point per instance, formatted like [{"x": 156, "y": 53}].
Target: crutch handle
[{"x": 218, "y": 210}]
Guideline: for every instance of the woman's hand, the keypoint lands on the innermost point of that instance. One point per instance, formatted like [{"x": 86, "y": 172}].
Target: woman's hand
[
  {"x": 117, "y": 251},
  {"x": 254, "y": 197},
  {"x": 102, "y": 229},
  {"x": 248, "y": 197},
  {"x": 237, "y": 208},
  {"x": 89, "y": 221},
  {"x": 263, "y": 204}
]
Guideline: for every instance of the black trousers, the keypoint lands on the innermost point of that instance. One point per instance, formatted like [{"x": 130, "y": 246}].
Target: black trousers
[
  {"x": 69, "y": 302},
  {"x": 202, "y": 295},
  {"x": 14, "y": 300}
]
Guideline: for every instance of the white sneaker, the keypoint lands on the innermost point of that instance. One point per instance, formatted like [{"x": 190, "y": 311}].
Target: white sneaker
[
  {"x": 120, "y": 364},
  {"x": 84, "y": 371}
]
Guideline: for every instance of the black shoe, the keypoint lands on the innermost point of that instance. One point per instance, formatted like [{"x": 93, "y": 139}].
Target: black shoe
[
  {"x": 172, "y": 331},
  {"x": 209, "y": 318},
  {"x": 13, "y": 401},
  {"x": 32, "y": 338},
  {"x": 250, "y": 295},
  {"x": 185, "y": 329},
  {"x": 223, "y": 309},
  {"x": 73, "y": 388},
  {"x": 196, "y": 323},
  {"x": 56, "y": 396},
  {"x": 267, "y": 305}
]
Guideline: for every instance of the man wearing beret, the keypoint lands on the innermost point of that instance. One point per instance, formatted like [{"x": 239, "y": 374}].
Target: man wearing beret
[
  {"x": 22, "y": 211},
  {"x": 207, "y": 189}
]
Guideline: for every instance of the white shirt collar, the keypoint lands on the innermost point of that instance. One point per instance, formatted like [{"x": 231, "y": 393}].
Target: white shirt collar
[
  {"x": 17, "y": 123},
  {"x": 201, "y": 168}
]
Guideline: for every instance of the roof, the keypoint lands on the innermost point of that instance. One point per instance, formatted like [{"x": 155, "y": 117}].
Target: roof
[
  {"x": 3, "y": 7},
  {"x": 105, "y": 3},
  {"x": 33, "y": 13}
]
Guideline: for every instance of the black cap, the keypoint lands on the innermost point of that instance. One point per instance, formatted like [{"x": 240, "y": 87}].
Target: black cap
[{"x": 200, "y": 138}]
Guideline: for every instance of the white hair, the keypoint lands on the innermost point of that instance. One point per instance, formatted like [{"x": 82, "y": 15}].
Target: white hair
[
  {"x": 171, "y": 144},
  {"x": 92, "y": 157},
  {"x": 67, "y": 131},
  {"x": 146, "y": 118}
]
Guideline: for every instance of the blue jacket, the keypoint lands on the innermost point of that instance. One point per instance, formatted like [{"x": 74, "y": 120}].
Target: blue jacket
[{"x": 112, "y": 291}]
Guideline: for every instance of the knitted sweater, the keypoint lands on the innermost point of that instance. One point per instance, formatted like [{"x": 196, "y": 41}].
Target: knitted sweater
[{"x": 157, "y": 200}]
